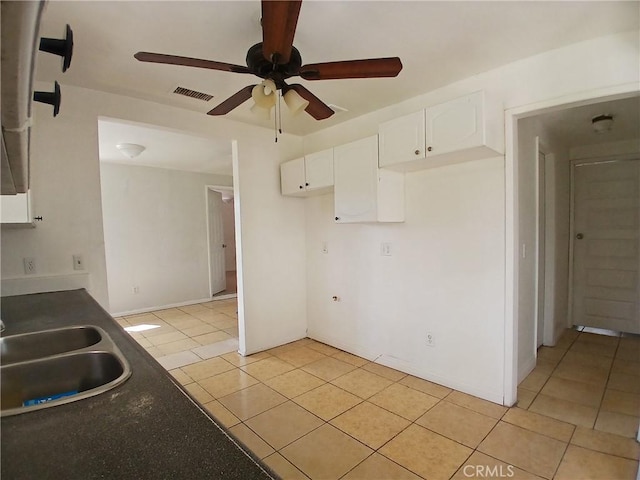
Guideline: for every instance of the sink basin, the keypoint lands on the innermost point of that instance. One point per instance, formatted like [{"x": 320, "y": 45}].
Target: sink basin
[
  {"x": 53, "y": 367},
  {"x": 30, "y": 346},
  {"x": 46, "y": 382}
]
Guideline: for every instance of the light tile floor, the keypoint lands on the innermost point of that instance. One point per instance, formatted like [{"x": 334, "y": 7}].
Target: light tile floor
[
  {"x": 588, "y": 380},
  {"x": 312, "y": 411}
]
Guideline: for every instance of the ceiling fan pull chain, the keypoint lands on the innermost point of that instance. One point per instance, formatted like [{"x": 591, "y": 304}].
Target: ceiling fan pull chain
[
  {"x": 275, "y": 120},
  {"x": 279, "y": 92}
]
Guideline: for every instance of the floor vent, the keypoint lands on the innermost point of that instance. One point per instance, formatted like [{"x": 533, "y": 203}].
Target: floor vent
[{"x": 187, "y": 92}]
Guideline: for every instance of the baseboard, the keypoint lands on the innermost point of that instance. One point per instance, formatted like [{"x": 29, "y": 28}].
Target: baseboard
[
  {"x": 44, "y": 283},
  {"x": 406, "y": 367},
  {"x": 524, "y": 370},
  {"x": 226, "y": 296},
  {"x": 138, "y": 311},
  {"x": 354, "y": 349},
  {"x": 279, "y": 343},
  {"x": 397, "y": 364}
]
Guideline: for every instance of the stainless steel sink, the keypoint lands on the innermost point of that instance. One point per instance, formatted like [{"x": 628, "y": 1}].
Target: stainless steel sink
[
  {"x": 54, "y": 367},
  {"x": 30, "y": 346}
]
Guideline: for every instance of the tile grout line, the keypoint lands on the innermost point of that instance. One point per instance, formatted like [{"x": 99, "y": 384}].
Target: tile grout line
[
  {"x": 553, "y": 370},
  {"x": 362, "y": 400}
]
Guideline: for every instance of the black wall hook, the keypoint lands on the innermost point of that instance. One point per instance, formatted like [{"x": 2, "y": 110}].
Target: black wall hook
[
  {"x": 52, "y": 98},
  {"x": 63, "y": 48}
]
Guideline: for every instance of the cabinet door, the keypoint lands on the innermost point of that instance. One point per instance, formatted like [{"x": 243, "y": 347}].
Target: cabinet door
[
  {"x": 402, "y": 139},
  {"x": 356, "y": 181},
  {"x": 455, "y": 125},
  {"x": 292, "y": 179},
  {"x": 319, "y": 169}
]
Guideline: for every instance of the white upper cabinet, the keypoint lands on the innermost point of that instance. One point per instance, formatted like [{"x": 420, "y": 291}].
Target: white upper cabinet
[
  {"x": 460, "y": 130},
  {"x": 402, "y": 139},
  {"x": 363, "y": 192},
  {"x": 309, "y": 175},
  {"x": 292, "y": 177},
  {"x": 319, "y": 171}
]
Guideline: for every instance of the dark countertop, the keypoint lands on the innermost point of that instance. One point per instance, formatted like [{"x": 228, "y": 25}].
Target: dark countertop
[{"x": 145, "y": 428}]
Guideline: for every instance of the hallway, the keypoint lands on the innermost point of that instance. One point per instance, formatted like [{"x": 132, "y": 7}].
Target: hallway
[{"x": 587, "y": 379}]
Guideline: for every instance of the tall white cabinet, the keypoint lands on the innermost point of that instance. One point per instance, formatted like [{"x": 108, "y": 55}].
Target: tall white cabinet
[{"x": 362, "y": 191}]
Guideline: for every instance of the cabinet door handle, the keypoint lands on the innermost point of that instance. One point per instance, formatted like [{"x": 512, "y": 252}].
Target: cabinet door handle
[
  {"x": 429, "y": 149},
  {"x": 307, "y": 184},
  {"x": 337, "y": 218},
  {"x": 417, "y": 152},
  {"x": 301, "y": 187}
]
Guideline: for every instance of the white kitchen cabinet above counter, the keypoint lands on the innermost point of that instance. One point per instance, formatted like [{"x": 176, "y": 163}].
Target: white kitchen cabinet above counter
[
  {"x": 308, "y": 175},
  {"x": 460, "y": 130}
]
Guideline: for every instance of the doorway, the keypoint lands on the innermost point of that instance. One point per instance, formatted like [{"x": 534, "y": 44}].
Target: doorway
[
  {"x": 567, "y": 133},
  {"x": 221, "y": 239},
  {"x": 580, "y": 374}
]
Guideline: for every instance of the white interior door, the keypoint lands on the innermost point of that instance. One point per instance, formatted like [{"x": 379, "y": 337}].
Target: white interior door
[
  {"x": 606, "y": 245},
  {"x": 217, "y": 275}
]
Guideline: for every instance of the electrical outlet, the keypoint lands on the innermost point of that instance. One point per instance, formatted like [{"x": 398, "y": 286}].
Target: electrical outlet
[
  {"x": 385, "y": 249},
  {"x": 78, "y": 262},
  {"x": 29, "y": 265},
  {"x": 431, "y": 341},
  {"x": 325, "y": 247}
]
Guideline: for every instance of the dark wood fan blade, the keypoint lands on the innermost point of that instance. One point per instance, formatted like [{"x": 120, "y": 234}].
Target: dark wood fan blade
[
  {"x": 279, "y": 20},
  {"x": 371, "y": 68},
  {"x": 189, "y": 62},
  {"x": 316, "y": 108},
  {"x": 232, "y": 102}
]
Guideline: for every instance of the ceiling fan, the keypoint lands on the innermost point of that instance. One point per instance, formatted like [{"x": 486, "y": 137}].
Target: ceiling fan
[{"x": 275, "y": 60}]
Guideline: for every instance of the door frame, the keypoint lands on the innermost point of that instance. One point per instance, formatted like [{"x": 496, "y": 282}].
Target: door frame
[
  {"x": 572, "y": 232},
  {"x": 512, "y": 214},
  {"x": 541, "y": 282},
  {"x": 216, "y": 188}
]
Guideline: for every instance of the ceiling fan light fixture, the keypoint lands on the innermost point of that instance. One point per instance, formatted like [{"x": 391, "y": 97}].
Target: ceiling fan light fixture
[
  {"x": 295, "y": 103},
  {"x": 130, "y": 150},
  {"x": 264, "y": 94},
  {"x": 602, "y": 123},
  {"x": 264, "y": 113}
]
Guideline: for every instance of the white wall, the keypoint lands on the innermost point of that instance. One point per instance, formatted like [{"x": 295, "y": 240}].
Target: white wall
[
  {"x": 449, "y": 273},
  {"x": 445, "y": 277},
  {"x": 527, "y": 247},
  {"x": 155, "y": 235},
  {"x": 559, "y": 254},
  {"x": 270, "y": 247},
  {"x": 66, "y": 192},
  {"x": 556, "y": 238},
  {"x": 604, "y": 150}
]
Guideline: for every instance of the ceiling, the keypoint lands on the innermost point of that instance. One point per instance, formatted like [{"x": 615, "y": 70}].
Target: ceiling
[
  {"x": 438, "y": 43},
  {"x": 163, "y": 148},
  {"x": 573, "y": 126}
]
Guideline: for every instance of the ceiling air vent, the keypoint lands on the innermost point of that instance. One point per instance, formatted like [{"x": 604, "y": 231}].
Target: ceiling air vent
[{"x": 187, "y": 92}]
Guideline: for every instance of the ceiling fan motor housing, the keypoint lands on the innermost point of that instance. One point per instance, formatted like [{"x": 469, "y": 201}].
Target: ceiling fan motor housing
[
  {"x": 276, "y": 59},
  {"x": 263, "y": 68}
]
